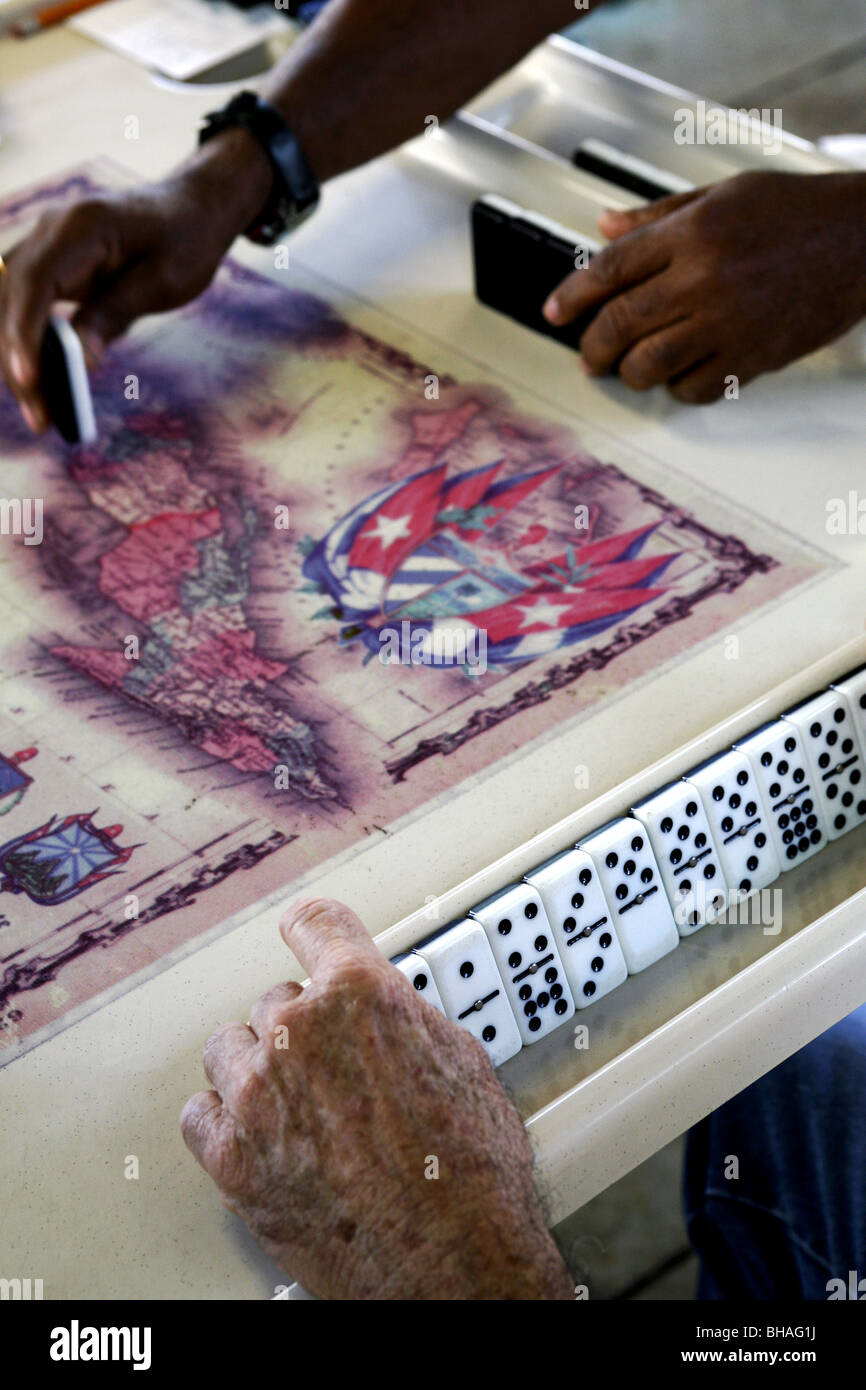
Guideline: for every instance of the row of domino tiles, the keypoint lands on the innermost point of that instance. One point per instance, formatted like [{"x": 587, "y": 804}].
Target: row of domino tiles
[{"x": 572, "y": 930}]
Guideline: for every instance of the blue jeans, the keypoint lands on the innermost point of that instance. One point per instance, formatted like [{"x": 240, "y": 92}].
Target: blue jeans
[{"x": 795, "y": 1216}]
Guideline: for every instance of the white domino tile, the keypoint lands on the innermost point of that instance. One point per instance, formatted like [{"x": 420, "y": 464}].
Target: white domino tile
[
  {"x": 524, "y": 947},
  {"x": 687, "y": 856},
  {"x": 420, "y": 976},
  {"x": 738, "y": 820},
  {"x": 470, "y": 987},
  {"x": 630, "y": 877},
  {"x": 853, "y": 687},
  {"x": 797, "y": 823},
  {"x": 826, "y": 726},
  {"x": 582, "y": 925}
]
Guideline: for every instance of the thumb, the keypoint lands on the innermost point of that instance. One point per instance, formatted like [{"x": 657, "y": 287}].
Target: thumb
[{"x": 613, "y": 223}]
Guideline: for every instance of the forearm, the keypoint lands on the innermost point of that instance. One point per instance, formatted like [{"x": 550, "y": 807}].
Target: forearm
[{"x": 365, "y": 75}]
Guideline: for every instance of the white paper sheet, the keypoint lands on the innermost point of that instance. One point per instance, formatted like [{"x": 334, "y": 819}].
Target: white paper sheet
[{"x": 180, "y": 38}]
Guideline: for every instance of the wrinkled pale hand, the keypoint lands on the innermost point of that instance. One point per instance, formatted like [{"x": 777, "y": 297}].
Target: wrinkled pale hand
[{"x": 331, "y": 1113}]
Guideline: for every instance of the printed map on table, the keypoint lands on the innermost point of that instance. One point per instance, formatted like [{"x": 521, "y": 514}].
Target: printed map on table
[{"x": 301, "y": 587}]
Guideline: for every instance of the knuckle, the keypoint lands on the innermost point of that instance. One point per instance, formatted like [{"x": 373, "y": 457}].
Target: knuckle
[
  {"x": 272, "y": 997},
  {"x": 232, "y": 1168},
  {"x": 179, "y": 278},
  {"x": 650, "y": 362},
  {"x": 190, "y": 1117},
  {"x": 614, "y": 322},
  {"x": 715, "y": 261},
  {"x": 273, "y": 1015},
  {"x": 607, "y": 265},
  {"x": 253, "y": 1088},
  {"x": 707, "y": 394},
  {"x": 590, "y": 351},
  {"x": 167, "y": 284},
  {"x": 195, "y": 1123},
  {"x": 43, "y": 227},
  {"x": 696, "y": 393},
  {"x": 83, "y": 218},
  {"x": 361, "y": 987},
  {"x": 275, "y": 1003},
  {"x": 706, "y": 252},
  {"x": 702, "y": 216},
  {"x": 681, "y": 391},
  {"x": 363, "y": 978},
  {"x": 214, "y": 1042},
  {"x": 752, "y": 179},
  {"x": 636, "y": 373}
]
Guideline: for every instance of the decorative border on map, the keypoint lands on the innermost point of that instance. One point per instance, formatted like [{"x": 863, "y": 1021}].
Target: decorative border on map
[
  {"x": 739, "y": 564},
  {"x": 42, "y": 970}
]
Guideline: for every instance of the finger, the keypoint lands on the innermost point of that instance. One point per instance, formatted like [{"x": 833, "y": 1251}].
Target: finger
[
  {"x": 324, "y": 935},
  {"x": 227, "y": 1056},
  {"x": 662, "y": 355},
  {"x": 616, "y": 222},
  {"x": 109, "y": 312},
  {"x": 199, "y": 1122},
  {"x": 627, "y": 318},
  {"x": 702, "y": 384},
  {"x": 273, "y": 1009},
  {"x": 60, "y": 261},
  {"x": 619, "y": 266},
  {"x": 17, "y": 370}
]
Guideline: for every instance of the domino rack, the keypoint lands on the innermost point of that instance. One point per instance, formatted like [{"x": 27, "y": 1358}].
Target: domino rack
[
  {"x": 848, "y": 811},
  {"x": 662, "y": 1041}
]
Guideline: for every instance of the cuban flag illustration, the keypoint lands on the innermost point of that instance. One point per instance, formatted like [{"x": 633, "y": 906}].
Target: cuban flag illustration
[{"x": 420, "y": 562}]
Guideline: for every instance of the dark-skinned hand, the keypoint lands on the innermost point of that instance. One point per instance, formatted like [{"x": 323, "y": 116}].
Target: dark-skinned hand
[
  {"x": 734, "y": 279},
  {"x": 120, "y": 255}
]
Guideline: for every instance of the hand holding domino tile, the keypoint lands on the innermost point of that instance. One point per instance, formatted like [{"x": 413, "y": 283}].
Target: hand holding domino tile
[{"x": 706, "y": 287}]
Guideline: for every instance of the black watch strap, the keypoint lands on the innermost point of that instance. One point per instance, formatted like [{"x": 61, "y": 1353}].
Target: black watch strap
[{"x": 295, "y": 191}]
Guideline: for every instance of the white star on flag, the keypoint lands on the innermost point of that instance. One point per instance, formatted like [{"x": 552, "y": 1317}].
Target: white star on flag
[
  {"x": 544, "y": 612},
  {"x": 389, "y": 529}
]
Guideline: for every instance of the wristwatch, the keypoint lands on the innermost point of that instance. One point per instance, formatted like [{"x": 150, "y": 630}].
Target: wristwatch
[{"x": 295, "y": 193}]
